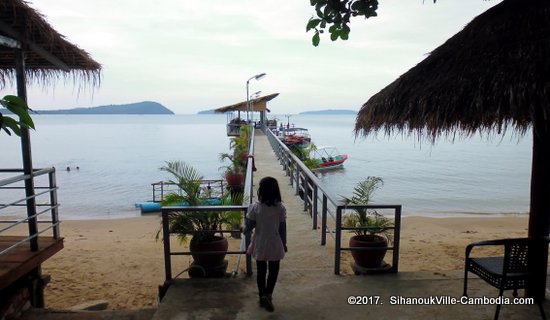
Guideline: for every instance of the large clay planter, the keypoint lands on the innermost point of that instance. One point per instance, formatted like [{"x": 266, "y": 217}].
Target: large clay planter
[
  {"x": 234, "y": 179},
  {"x": 209, "y": 261},
  {"x": 369, "y": 258}
]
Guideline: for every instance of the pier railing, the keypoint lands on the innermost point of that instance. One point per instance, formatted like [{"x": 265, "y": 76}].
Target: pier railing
[
  {"x": 322, "y": 205},
  {"x": 169, "y": 211},
  {"x": 15, "y": 204}
]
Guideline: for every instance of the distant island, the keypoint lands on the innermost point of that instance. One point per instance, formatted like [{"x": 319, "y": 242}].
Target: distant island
[
  {"x": 145, "y": 107},
  {"x": 329, "y": 112}
]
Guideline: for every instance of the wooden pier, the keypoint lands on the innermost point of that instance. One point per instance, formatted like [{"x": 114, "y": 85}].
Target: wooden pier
[{"x": 21, "y": 260}]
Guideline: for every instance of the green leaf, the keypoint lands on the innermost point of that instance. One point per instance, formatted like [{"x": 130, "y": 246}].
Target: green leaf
[
  {"x": 20, "y": 108},
  {"x": 15, "y": 101},
  {"x": 344, "y": 33},
  {"x": 334, "y": 35},
  {"x": 9, "y": 123},
  {"x": 312, "y": 23},
  {"x": 315, "y": 39}
]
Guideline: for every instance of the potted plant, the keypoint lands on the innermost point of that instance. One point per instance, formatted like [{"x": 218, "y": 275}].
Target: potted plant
[
  {"x": 234, "y": 172},
  {"x": 239, "y": 145},
  {"x": 373, "y": 229},
  {"x": 203, "y": 226}
]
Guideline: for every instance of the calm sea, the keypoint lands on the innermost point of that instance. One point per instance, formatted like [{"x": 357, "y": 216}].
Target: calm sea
[{"x": 119, "y": 157}]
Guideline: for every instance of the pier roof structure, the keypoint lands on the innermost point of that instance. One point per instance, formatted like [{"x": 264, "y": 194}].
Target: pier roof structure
[{"x": 258, "y": 104}]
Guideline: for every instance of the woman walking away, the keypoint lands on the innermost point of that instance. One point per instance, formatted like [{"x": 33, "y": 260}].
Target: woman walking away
[{"x": 267, "y": 216}]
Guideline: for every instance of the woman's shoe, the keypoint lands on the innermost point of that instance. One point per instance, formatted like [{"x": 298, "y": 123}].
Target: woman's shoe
[{"x": 265, "y": 302}]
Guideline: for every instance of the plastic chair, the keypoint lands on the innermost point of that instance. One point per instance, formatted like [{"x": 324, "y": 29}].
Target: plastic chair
[{"x": 508, "y": 272}]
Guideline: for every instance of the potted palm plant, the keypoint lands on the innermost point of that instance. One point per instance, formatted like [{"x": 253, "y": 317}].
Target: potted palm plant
[
  {"x": 234, "y": 172},
  {"x": 202, "y": 226},
  {"x": 373, "y": 230}
]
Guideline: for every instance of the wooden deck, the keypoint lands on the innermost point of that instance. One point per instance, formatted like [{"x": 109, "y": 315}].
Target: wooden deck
[{"x": 22, "y": 260}]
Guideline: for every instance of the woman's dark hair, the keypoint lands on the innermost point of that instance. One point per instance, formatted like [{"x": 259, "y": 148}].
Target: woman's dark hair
[{"x": 268, "y": 191}]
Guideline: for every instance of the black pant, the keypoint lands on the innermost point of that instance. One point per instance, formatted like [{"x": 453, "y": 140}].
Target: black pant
[{"x": 262, "y": 267}]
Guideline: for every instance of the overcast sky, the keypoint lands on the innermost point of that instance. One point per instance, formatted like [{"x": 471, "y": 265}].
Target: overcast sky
[{"x": 197, "y": 55}]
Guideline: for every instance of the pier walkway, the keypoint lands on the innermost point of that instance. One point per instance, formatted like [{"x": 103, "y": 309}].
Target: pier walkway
[{"x": 308, "y": 288}]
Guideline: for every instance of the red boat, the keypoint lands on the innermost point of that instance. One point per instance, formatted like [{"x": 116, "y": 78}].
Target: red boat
[{"x": 328, "y": 158}]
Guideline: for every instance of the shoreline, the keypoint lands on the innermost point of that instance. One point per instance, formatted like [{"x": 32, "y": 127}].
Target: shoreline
[{"x": 119, "y": 260}]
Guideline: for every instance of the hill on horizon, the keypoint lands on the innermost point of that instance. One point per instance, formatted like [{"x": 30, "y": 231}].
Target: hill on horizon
[{"x": 145, "y": 107}]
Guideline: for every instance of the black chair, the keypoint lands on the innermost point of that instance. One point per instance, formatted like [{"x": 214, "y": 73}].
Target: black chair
[{"x": 508, "y": 272}]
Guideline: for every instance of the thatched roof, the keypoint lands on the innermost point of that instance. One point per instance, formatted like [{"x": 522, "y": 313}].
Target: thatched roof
[
  {"x": 490, "y": 76},
  {"x": 47, "y": 54},
  {"x": 258, "y": 104}
]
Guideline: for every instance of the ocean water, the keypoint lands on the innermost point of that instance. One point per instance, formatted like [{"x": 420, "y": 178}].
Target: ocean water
[
  {"x": 478, "y": 175},
  {"x": 119, "y": 157}
]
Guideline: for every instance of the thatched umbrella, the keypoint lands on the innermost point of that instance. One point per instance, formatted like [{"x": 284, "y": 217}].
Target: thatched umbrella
[
  {"x": 492, "y": 76},
  {"x": 30, "y": 47},
  {"x": 47, "y": 54}
]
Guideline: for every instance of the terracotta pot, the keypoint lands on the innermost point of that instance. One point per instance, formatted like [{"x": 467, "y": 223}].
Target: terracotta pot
[
  {"x": 209, "y": 261},
  {"x": 234, "y": 179},
  {"x": 369, "y": 258}
]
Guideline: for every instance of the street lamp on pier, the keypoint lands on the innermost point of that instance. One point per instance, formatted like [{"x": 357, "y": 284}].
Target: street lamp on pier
[{"x": 256, "y": 77}]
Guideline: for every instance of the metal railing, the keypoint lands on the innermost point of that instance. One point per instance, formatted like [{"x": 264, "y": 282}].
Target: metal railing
[
  {"x": 209, "y": 188},
  {"x": 320, "y": 203},
  {"x": 14, "y": 211},
  {"x": 167, "y": 212}
]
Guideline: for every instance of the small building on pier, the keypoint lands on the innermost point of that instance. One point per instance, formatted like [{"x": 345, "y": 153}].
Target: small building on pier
[{"x": 248, "y": 109}]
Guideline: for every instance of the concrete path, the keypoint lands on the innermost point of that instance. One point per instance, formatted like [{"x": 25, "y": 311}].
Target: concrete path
[{"x": 308, "y": 289}]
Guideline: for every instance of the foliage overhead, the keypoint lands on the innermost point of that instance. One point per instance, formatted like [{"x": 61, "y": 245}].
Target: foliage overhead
[
  {"x": 20, "y": 108},
  {"x": 336, "y": 15}
]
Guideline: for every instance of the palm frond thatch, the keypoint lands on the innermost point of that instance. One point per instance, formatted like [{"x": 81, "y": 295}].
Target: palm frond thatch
[
  {"x": 492, "y": 75},
  {"x": 20, "y": 22}
]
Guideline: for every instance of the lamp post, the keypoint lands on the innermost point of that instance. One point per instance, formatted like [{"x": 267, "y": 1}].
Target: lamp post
[
  {"x": 256, "y": 77},
  {"x": 253, "y": 97}
]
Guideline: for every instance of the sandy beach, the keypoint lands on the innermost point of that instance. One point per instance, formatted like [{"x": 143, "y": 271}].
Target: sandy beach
[{"x": 120, "y": 261}]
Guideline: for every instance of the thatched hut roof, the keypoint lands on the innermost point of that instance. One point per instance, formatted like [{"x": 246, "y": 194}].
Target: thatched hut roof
[
  {"x": 490, "y": 76},
  {"x": 258, "y": 104},
  {"x": 47, "y": 54}
]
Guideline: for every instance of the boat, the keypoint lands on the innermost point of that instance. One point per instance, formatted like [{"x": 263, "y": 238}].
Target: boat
[
  {"x": 211, "y": 190},
  {"x": 294, "y": 136},
  {"x": 328, "y": 157},
  {"x": 150, "y": 206}
]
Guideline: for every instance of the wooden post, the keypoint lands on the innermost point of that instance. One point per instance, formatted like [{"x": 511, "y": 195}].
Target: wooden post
[
  {"x": 539, "y": 216},
  {"x": 166, "y": 243},
  {"x": 26, "y": 151}
]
